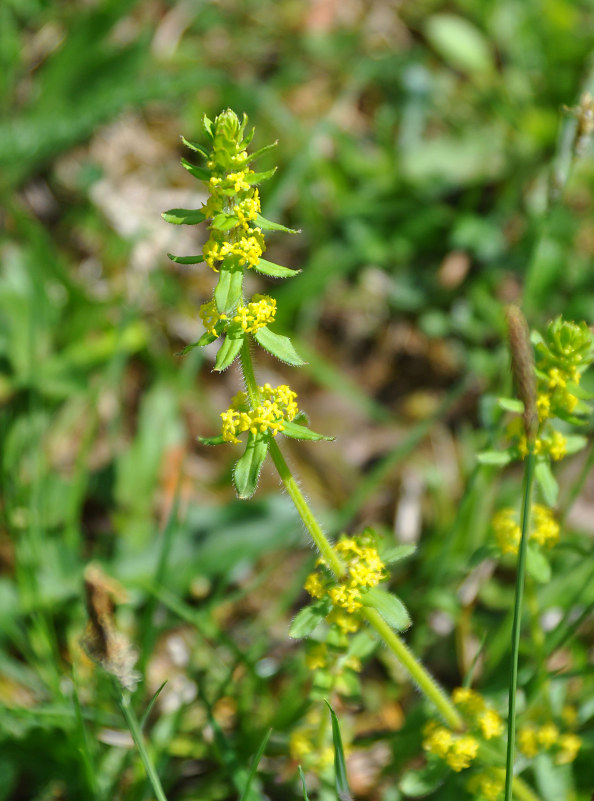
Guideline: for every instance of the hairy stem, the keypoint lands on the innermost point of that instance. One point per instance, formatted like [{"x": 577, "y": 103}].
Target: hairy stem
[
  {"x": 417, "y": 672},
  {"x": 305, "y": 513}
]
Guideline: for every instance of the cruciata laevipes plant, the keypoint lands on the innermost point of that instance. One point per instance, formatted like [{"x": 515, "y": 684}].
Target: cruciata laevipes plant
[{"x": 346, "y": 585}]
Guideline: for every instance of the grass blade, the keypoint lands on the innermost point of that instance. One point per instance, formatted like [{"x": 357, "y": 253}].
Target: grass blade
[
  {"x": 343, "y": 791},
  {"x": 254, "y": 765}
]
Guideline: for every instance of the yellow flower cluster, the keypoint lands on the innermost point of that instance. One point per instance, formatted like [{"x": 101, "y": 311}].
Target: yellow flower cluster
[
  {"x": 210, "y": 316},
  {"x": 457, "y": 750},
  {"x": 550, "y": 442},
  {"x": 534, "y": 739},
  {"x": 474, "y": 707},
  {"x": 277, "y": 404},
  {"x": 556, "y": 397},
  {"x": 545, "y": 529},
  {"x": 364, "y": 569},
  {"x": 232, "y": 183},
  {"x": 488, "y": 785},
  {"x": 247, "y": 209},
  {"x": 246, "y": 251},
  {"x": 259, "y": 312}
]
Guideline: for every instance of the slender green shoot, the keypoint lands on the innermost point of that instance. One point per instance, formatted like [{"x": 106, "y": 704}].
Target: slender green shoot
[
  {"x": 124, "y": 702},
  {"x": 513, "y": 681}
]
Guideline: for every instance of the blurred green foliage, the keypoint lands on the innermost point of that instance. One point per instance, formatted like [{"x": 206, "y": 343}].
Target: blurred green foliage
[{"x": 424, "y": 152}]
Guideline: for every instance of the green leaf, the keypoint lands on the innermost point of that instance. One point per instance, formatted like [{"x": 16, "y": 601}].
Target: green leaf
[
  {"x": 224, "y": 222},
  {"x": 205, "y": 339},
  {"x": 302, "y": 775},
  {"x": 183, "y": 216},
  {"x": 538, "y": 565},
  {"x": 308, "y": 619},
  {"x": 275, "y": 270},
  {"x": 247, "y": 468},
  {"x": 228, "y": 352},
  {"x": 195, "y": 147},
  {"x": 185, "y": 259},
  {"x": 198, "y": 172},
  {"x": 258, "y": 177},
  {"x": 228, "y": 290},
  {"x": 340, "y": 776},
  {"x": 268, "y": 225},
  {"x": 389, "y": 606},
  {"x": 499, "y": 458},
  {"x": 575, "y": 443},
  {"x": 207, "y": 122},
  {"x": 280, "y": 346},
  {"x": 578, "y": 391},
  {"x": 547, "y": 482},
  {"x": 393, "y": 555},
  {"x": 460, "y": 43},
  {"x": 296, "y": 431},
  {"x": 256, "y": 154},
  {"x": 254, "y": 766},
  {"x": 511, "y": 405},
  {"x": 218, "y": 440},
  {"x": 418, "y": 783}
]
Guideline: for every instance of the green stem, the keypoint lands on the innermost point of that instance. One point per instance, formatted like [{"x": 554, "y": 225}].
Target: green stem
[
  {"x": 305, "y": 512},
  {"x": 135, "y": 731},
  {"x": 513, "y": 681},
  {"x": 417, "y": 672}
]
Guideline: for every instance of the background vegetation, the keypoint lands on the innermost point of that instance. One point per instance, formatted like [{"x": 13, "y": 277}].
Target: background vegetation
[{"x": 420, "y": 145}]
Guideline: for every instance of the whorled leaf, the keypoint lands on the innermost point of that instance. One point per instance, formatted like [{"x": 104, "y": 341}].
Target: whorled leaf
[
  {"x": 198, "y": 172},
  {"x": 309, "y": 618},
  {"x": 547, "y": 481},
  {"x": 247, "y": 468},
  {"x": 185, "y": 259},
  {"x": 389, "y": 606},
  {"x": 228, "y": 352},
  {"x": 269, "y": 225},
  {"x": 183, "y": 216},
  {"x": 196, "y": 147},
  {"x": 228, "y": 290},
  {"x": 275, "y": 270},
  {"x": 279, "y": 346},
  {"x": 205, "y": 339},
  {"x": 296, "y": 431}
]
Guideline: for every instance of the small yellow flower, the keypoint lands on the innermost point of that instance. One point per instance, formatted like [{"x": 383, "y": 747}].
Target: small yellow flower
[
  {"x": 462, "y": 752},
  {"x": 527, "y": 741},
  {"x": 349, "y": 598},
  {"x": 543, "y": 405},
  {"x": 507, "y": 531},
  {"x": 317, "y": 656},
  {"x": 210, "y": 316},
  {"x": 547, "y": 735},
  {"x": 347, "y": 623},
  {"x": 569, "y": 744},
  {"x": 490, "y": 724},
  {"x": 259, "y": 312},
  {"x": 277, "y": 405},
  {"x": 313, "y": 585},
  {"x": 545, "y": 529},
  {"x": 557, "y": 446},
  {"x": 471, "y": 702},
  {"x": 438, "y": 740},
  {"x": 487, "y": 785}
]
